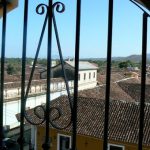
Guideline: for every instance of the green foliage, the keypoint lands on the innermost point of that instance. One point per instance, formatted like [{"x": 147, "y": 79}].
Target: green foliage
[
  {"x": 126, "y": 64},
  {"x": 102, "y": 64},
  {"x": 42, "y": 61},
  {"x": 29, "y": 61},
  {"x": 11, "y": 69},
  {"x": 13, "y": 65}
]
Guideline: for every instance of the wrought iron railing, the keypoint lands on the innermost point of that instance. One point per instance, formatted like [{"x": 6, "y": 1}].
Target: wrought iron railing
[{"x": 49, "y": 11}]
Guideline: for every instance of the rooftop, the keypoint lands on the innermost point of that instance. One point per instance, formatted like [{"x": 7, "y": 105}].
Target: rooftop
[
  {"x": 133, "y": 88},
  {"x": 16, "y": 84},
  {"x": 83, "y": 65},
  {"x": 123, "y": 125},
  {"x": 116, "y": 93}
]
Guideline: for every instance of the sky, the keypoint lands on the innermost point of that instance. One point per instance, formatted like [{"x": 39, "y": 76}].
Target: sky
[{"x": 127, "y": 29}]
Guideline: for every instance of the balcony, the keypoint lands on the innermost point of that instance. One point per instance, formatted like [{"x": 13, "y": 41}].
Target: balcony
[{"x": 86, "y": 122}]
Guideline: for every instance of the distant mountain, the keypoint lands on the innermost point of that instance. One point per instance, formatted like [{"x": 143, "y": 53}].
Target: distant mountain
[{"x": 134, "y": 58}]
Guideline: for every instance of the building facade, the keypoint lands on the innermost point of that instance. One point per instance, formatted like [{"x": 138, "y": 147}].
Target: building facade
[
  {"x": 87, "y": 76},
  {"x": 62, "y": 141}
]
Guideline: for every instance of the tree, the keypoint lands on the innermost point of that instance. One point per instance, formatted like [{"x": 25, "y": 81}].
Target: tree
[
  {"x": 126, "y": 64},
  {"x": 11, "y": 69}
]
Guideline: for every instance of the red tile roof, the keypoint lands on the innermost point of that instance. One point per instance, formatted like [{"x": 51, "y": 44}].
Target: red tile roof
[
  {"x": 101, "y": 78},
  {"x": 17, "y": 84},
  {"x": 133, "y": 88},
  {"x": 123, "y": 124},
  {"x": 116, "y": 93}
]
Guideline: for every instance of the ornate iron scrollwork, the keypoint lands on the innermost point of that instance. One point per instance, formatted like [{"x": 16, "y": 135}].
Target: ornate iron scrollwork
[
  {"x": 41, "y": 7},
  {"x": 59, "y": 6},
  {"x": 40, "y": 111}
]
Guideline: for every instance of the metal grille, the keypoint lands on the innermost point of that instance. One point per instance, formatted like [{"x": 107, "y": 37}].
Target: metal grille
[{"x": 50, "y": 19}]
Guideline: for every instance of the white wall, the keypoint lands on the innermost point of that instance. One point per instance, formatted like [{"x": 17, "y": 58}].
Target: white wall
[
  {"x": 57, "y": 86},
  {"x": 12, "y": 108},
  {"x": 88, "y": 82},
  {"x": 36, "y": 89}
]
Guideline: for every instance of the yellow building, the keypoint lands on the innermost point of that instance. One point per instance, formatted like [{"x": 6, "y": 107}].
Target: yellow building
[
  {"x": 123, "y": 125},
  {"x": 83, "y": 142}
]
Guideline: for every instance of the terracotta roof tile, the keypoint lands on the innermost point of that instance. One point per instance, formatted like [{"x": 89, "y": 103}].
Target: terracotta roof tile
[
  {"x": 83, "y": 65},
  {"x": 116, "y": 93},
  {"x": 123, "y": 124},
  {"x": 114, "y": 77},
  {"x": 133, "y": 88},
  {"x": 17, "y": 84}
]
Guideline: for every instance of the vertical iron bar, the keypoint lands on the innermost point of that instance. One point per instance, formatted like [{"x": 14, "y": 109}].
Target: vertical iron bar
[
  {"x": 36, "y": 57},
  {"x": 108, "y": 74},
  {"x": 46, "y": 145},
  {"x": 2, "y": 70},
  {"x": 77, "y": 50},
  {"x": 143, "y": 80},
  {"x": 21, "y": 138},
  {"x": 62, "y": 60}
]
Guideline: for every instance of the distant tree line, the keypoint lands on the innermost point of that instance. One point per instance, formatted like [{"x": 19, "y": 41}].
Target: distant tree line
[
  {"x": 13, "y": 65},
  {"x": 115, "y": 64},
  {"x": 126, "y": 64}
]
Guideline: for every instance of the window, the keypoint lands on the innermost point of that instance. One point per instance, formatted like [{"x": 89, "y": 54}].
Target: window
[
  {"x": 93, "y": 74},
  {"x": 64, "y": 142},
  {"x": 84, "y": 76},
  {"x": 115, "y": 147},
  {"x": 89, "y": 75},
  {"x": 79, "y": 77}
]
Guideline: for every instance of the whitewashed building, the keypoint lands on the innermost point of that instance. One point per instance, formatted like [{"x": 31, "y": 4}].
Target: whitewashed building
[
  {"x": 87, "y": 80},
  {"x": 87, "y": 73}
]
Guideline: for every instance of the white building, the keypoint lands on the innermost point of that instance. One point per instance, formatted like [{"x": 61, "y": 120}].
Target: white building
[
  {"x": 87, "y": 73},
  {"x": 87, "y": 80}
]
